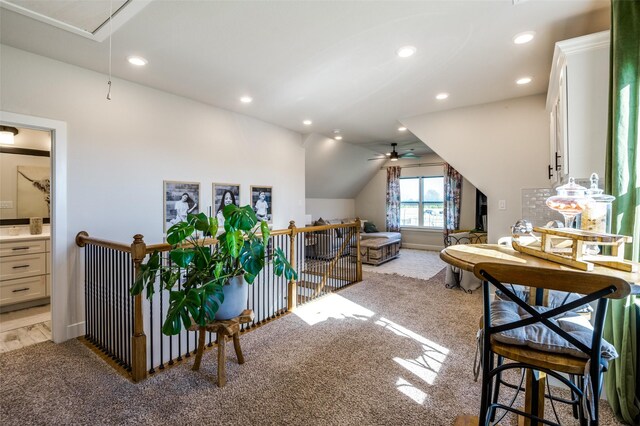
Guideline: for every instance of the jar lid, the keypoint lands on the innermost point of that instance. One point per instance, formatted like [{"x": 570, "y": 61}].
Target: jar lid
[
  {"x": 572, "y": 189},
  {"x": 596, "y": 193}
]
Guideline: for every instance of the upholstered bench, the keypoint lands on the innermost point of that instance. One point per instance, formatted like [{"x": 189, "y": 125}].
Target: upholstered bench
[{"x": 375, "y": 251}]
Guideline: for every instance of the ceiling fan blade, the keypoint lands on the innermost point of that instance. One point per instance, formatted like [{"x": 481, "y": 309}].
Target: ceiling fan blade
[
  {"x": 377, "y": 158},
  {"x": 408, "y": 155}
]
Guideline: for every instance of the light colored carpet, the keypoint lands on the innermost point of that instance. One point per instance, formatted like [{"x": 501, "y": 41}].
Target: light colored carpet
[
  {"x": 387, "y": 351},
  {"x": 421, "y": 264}
]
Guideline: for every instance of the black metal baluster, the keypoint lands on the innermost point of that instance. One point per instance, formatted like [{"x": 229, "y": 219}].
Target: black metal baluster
[
  {"x": 161, "y": 316},
  {"x": 269, "y": 288},
  {"x": 89, "y": 264},
  {"x": 92, "y": 290},
  {"x": 110, "y": 304},
  {"x": 112, "y": 291},
  {"x": 118, "y": 305},
  {"x": 179, "y": 358},
  {"x": 123, "y": 303},
  {"x": 187, "y": 337},
  {"x": 130, "y": 278},
  {"x": 107, "y": 311},
  {"x": 102, "y": 300},
  {"x": 171, "y": 338}
]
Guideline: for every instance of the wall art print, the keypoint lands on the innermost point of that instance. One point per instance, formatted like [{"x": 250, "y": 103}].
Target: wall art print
[
  {"x": 262, "y": 202},
  {"x": 223, "y": 195},
  {"x": 180, "y": 199},
  {"x": 34, "y": 191}
]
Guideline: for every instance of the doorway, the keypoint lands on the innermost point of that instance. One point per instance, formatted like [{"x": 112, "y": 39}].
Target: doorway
[
  {"x": 25, "y": 231},
  {"x": 46, "y": 315}
]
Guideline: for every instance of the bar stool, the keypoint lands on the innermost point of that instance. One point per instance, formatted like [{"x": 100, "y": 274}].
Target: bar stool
[{"x": 580, "y": 349}]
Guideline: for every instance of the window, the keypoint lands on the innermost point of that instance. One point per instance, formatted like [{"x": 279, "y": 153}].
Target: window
[{"x": 422, "y": 202}]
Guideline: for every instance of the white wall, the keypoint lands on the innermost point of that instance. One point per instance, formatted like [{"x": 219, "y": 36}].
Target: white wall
[
  {"x": 499, "y": 147},
  {"x": 371, "y": 202},
  {"x": 336, "y": 169},
  {"x": 120, "y": 151},
  {"x": 331, "y": 208}
]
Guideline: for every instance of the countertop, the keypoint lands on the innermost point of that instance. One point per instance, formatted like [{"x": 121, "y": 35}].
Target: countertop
[{"x": 23, "y": 237}]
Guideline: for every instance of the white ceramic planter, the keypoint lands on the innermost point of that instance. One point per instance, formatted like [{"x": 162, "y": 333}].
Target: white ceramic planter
[{"x": 236, "y": 296}]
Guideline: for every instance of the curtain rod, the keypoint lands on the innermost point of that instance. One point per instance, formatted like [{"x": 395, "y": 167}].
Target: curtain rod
[{"x": 416, "y": 165}]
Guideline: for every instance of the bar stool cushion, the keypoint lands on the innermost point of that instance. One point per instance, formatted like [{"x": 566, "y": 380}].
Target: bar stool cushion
[
  {"x": 556, "y": 297},
  {"x": 538, "y": 336}
]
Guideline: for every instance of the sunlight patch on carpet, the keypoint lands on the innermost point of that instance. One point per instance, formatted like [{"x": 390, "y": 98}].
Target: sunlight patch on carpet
[
  {"x": 428, "y": 364},
  {"x": 411, "y": 391},
  {"x": 331, "y": 306}
]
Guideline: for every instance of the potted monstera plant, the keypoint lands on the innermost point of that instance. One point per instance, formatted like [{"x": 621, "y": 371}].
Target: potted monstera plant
[{"x": 213, "y": 279}]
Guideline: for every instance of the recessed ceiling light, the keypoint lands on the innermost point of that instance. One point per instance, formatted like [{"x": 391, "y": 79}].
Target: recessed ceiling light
[
  {"x": 402, "y": 129},
  {"x": 406, "y": 51},
  {"x": 338, "y": 138},
  {"x": 138, "y": 61},
  {"x": 525, "y": 37},
  {"x": 246, "y": 99},
  {"x": 442, "y": 96},
  {"x": 523, "y": 80},
  {"x": 307, "y": 122}
]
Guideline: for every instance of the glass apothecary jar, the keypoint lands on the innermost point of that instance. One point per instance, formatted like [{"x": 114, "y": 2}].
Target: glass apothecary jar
[
  {"x": 570, "y": 201},
  {"x": 596, "y": 216}
]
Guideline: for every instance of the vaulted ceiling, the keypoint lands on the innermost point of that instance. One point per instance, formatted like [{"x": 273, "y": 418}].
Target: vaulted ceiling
[{"x": 333, "y": 63}]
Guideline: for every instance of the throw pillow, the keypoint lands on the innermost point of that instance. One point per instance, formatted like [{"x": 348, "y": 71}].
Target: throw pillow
[
  {"x": 321, "y": 222},
  {"x": 370, "y": 228}
]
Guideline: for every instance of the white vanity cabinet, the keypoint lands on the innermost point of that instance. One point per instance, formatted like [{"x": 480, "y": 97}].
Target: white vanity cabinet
[
  {"x": 577, "y": 104},
  {"x": 24, "y": 271}
]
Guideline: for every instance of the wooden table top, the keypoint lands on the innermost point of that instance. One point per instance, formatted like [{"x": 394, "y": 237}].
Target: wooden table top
[{"x": 466, "y": 256}]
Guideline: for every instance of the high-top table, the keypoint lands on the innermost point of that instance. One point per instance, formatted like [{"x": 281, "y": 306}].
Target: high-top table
[{"x": 466, "y": 256}]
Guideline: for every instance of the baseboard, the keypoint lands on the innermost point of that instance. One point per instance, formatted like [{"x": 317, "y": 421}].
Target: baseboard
[
  {"x": 75, "y": 330},
  {"x": 429, "y": 247}
]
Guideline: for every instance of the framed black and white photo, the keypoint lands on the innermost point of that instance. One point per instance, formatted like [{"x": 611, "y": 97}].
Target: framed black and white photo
[
  {"x": 223, "y": 195},
  {"x": 261, "y": 201},
  {"x": 180, "y": 199}
]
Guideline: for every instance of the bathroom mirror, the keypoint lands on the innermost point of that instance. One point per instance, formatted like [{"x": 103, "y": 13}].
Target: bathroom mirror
[{"x": 25, "y": 177}]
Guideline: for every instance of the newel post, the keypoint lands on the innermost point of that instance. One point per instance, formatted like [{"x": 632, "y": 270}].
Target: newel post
[
  {"x": 292, "y": 289},
  {"x": 358, "y": 254},
  {"x": 139, "y": 339}
]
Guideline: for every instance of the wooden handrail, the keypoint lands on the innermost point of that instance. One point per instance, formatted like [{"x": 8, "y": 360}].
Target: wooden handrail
[
  {"x": 325, "y": 227},
  {"x": 83, "y": 238},
  {"x": 167, "y": 247}
]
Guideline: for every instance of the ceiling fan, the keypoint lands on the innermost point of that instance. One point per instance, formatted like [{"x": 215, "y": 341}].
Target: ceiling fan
[{"x": 394, "y": 155}]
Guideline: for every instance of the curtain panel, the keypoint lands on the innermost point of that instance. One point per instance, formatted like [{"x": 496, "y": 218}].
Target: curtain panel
[
  {"x": 621, "y": 326},
  {"x": 452, "y": 199},
  {"x": 393, "y": 199}
]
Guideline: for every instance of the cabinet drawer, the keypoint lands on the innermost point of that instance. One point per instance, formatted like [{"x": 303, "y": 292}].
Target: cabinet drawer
[
  {"x": 23, "y": 289},
  {"x": 17, "y": 248},
  {"x": 22, "y": 266}
]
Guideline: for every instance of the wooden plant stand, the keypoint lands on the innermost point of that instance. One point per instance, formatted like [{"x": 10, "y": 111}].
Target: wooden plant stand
[
  {"x": 567, "y": 246},
  {"x": 223, "y": 329}
]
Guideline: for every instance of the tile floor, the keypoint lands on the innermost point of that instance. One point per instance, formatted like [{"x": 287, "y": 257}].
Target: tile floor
[{"x": 25, "y": 327}]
